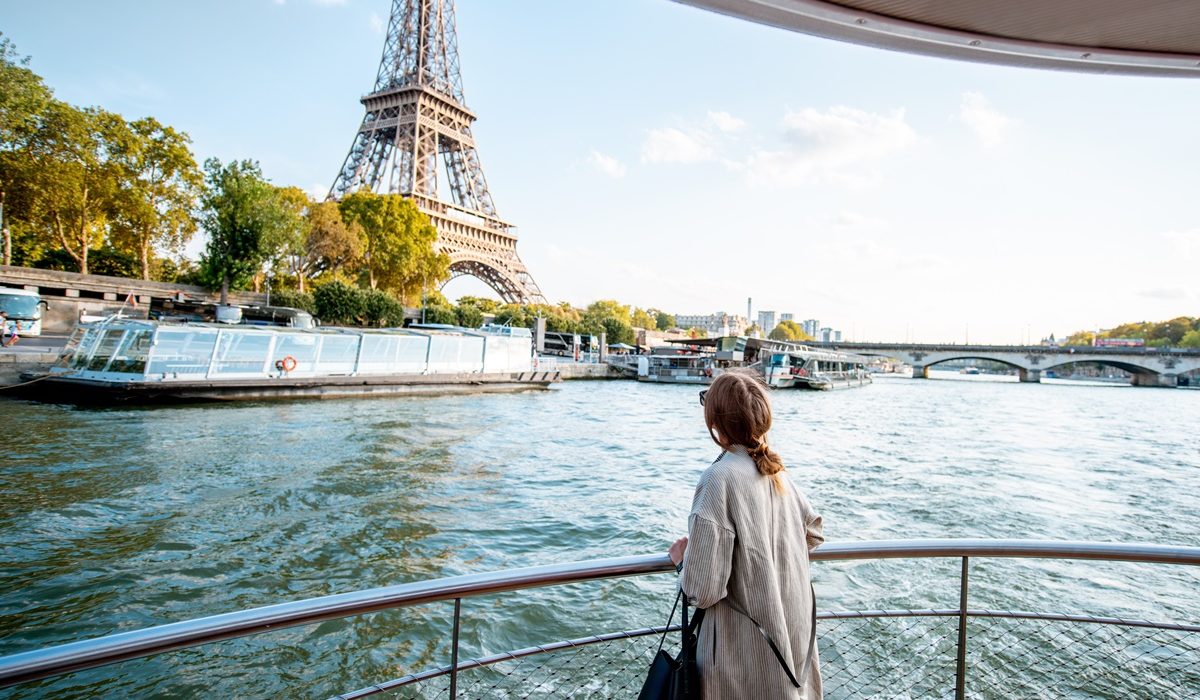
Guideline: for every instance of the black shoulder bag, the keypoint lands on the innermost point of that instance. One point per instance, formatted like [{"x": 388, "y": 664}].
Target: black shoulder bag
[{"x": 677, "y": 678}]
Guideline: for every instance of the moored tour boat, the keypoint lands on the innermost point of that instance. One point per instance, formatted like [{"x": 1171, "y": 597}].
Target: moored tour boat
[{"x": 127, "y": 360}]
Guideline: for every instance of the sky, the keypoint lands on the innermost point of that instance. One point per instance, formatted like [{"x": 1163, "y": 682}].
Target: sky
[{"x": 673, "y": 158}]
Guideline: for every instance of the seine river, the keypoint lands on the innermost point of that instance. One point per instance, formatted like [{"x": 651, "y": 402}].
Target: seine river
[{"x": 122, "y": 519}]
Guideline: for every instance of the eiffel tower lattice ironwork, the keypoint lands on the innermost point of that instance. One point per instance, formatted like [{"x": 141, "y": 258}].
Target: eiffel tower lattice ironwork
[{"x": 415, "y": 118}]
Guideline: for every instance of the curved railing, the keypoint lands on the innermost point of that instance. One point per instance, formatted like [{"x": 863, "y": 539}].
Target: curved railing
[{"x": 76, "y": 656}]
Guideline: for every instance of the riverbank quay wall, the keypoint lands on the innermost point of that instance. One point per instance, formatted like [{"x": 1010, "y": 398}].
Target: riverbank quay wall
[
  {"x": 12, "y": 364},
  {"x": 588, "y": 370},
  {"x": 70, "y": 295},
  {"x": 1149, "y": 366}
]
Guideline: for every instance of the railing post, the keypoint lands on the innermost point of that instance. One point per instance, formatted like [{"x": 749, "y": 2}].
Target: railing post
[
  {"x": 960, "y": 670},
  {"x": 454, "y": 651}
]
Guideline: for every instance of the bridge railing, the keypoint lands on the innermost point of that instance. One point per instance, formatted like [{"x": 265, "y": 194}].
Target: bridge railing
[{"x": 960, "y": 651}]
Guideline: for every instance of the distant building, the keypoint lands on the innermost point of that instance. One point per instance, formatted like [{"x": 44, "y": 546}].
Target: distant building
[
  {"x": 837, "y": 336},
  {"x": 812, "y": 327},
  {"x": 825, "y": 335},
  {"x": 766, "y": 321},
  {"x": 785, "y": 317},
  {"x": 717, "y": 324}
]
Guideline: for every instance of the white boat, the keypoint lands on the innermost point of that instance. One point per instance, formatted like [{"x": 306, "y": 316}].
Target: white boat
[{"x": 121, "y": 360}]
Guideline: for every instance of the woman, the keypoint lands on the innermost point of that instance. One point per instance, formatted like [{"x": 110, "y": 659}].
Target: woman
[{"x": 745, "y": 559}]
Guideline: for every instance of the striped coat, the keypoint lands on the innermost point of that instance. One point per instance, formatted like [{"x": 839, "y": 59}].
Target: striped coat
[{"x": 749, "y": 545}]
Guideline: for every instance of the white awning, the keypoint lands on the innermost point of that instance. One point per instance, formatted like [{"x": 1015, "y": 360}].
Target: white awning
[{"x": 1138, "y": 37}]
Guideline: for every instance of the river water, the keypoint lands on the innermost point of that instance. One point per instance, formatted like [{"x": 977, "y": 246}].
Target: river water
[{"x": 126, "y": 518}]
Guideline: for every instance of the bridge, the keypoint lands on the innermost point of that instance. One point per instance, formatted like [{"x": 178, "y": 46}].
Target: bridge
[{"x": 1149, "y": 366}]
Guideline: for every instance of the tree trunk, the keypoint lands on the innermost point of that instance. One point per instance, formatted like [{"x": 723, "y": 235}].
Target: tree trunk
[
  {"x": 145, "y": 259},
  {"x": 7, "y": 246},
  {"x": 225, "y": 289}
]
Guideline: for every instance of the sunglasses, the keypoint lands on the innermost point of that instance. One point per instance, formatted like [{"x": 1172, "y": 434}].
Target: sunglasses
[{"x": 702, "y": 393}]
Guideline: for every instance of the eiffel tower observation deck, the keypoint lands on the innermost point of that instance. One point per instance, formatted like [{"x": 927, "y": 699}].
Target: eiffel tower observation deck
[{"x": 417, "y": 127}]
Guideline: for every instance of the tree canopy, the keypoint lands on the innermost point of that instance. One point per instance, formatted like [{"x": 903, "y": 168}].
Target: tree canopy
[{"x": 788, "y": 330}]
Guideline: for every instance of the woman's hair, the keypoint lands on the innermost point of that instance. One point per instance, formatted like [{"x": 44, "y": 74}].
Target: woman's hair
[{"x": 738, "y": 412}]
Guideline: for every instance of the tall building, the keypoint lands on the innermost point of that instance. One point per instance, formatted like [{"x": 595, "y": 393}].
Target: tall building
[
  {"x": 786, "y": 317},
  {"x": 812, "y": 326},
  {"x": 766, "y": 321},
  {"x": 718, "y": 324}
]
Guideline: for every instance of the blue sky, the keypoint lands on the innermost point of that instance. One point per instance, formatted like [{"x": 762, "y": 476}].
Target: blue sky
[{"x": 664, "y": 156}]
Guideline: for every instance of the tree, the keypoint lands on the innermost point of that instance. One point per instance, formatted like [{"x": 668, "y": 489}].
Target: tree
[
  {"x": 71, "y": 176},
  {"x": 788, "y": 330},
  {"x": 663, "y": 320},
  {"x": 1191, "y": 339},
  {"x": 753, "y": 330},
  {"x": 617, "y": 331},
  {"x": 330, "y": 244},
  {"x": 159, "y": 185},
  {"x": 283, "y": 243},
  {"x": 240, "y": 211},
  {"x": 487, "y": 306},
  {"x": 23, "y": 99},
  {"x": 642, "y": 319},
  {"x": 398, "y": 252},
  {"x": 382, "y": 309},
  {"x": 469, "y": 316}
]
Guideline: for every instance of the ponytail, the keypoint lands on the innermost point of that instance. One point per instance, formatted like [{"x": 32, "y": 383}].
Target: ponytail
[
  {"x": 768, "y": 461},
  {"x": 738, "y": 412}
]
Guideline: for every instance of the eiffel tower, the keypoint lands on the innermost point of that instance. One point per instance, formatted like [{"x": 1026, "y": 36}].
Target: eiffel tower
[{"x": 415, "y": 118}]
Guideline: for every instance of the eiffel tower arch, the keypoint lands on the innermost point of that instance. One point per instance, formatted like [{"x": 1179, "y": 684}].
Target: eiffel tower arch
[{"x": 417, "y": 127}]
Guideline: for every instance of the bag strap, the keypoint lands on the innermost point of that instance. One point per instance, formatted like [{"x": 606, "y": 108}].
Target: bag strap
[
  {"x": 812, "y": 641},
  {"x": 670, "y": 617}
]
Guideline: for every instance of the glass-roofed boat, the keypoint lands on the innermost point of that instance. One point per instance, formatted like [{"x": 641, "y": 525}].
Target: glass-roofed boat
[{"x": 122, "y": 359}]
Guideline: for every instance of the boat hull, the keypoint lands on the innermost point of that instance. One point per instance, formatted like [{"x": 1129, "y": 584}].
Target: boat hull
[{"x": 92, "y": 392}]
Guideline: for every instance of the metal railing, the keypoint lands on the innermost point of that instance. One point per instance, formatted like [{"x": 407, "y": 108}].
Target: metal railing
[{"x": 848, "y": 639}]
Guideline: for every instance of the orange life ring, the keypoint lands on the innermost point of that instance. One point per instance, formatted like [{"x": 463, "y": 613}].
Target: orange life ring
[{"x": 287, "y": 364}]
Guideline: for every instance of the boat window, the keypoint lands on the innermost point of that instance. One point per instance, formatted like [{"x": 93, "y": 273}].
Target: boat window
[
  {"x": 242, "y": 353},
  {"x": 779, "y": 360},
  {"x": 338, "y": 353},
  {"x": 378, "y": 352},
  {"x": 184, "y": 351},
  {"x": 104, "y": 349},
  {"x": 301, "y": 347},
  {"x": 452, "y": 353},
  {"x": 411, "y": 353},
  {"x": 85, "y": 347},
  {"x": 130, "y": 358}
]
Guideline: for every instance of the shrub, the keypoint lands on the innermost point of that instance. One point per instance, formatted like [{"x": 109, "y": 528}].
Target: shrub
[
  {"x": 296, "y": 300},
  {"x": 469, "y": 316},
  {"x": 382, "y": 309},
  {"x": 339, "y": 303}
]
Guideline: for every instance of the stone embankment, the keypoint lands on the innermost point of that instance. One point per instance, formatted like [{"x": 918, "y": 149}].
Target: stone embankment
[
  {"x": 588, "y": 370},
  {"x": 13, "y": 363}
]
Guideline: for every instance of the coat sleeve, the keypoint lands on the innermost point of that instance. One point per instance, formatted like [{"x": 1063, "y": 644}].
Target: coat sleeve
[
  {"x": 707, "y": 562},
  {"x": 813, "y": 524}
]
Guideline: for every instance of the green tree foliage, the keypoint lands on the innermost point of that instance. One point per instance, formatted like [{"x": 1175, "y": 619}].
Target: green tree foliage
[
  {"x": 663, "y": 320},
  {"x": 330, "y": 244},
  {"x": 440, "y": 313},
  {"x": 382, "y": 309},
  {"x": 642, "y": 319},
  {"x": 753, "y": 329},
  {"x": 159, "y": 185},
  {"x": 283, "y": 243},
  {"x": 1155, "y": 333},
  {"x": 487, "y": 306},
  {"x": 241, "y": 211},
  {"x": 788, "y": 330},
  {"x": 468, "y": 316},
  {"x": 1191, "y": 339},
  {"x": 617, "y": 331},
  {"x": 296, "y": 300},
  {"x": 398, "y": 252},
  {"x": 339, "y": 303}
]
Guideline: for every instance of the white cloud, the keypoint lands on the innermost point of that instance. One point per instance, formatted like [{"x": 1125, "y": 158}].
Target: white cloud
[
  {"x": 726, "y": 122},
  {"x": 606, "y": 164},
  {"x": 854, "y": 220},
  {"x": 988, "y": 124},
  {"x": 676, "y": 146},
  {"x": 376, "y": 23},
  {"x": 838, "y": 145}
]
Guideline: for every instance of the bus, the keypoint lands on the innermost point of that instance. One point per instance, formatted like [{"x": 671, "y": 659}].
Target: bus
[{"x": 24, "y": 309}]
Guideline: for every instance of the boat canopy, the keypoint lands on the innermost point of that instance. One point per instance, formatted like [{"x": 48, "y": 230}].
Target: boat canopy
[
  {"x": 1137, "y": 37},
  {"x": 135, "y": 350}
]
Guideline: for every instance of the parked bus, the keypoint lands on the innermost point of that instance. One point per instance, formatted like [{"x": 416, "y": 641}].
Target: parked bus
[{"x": 24, "y": 309}]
